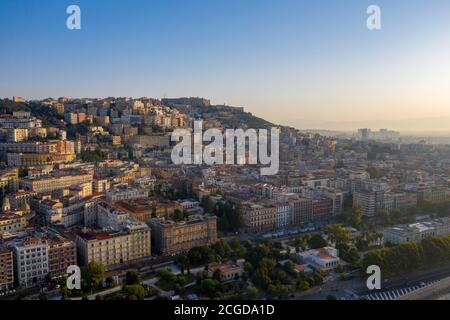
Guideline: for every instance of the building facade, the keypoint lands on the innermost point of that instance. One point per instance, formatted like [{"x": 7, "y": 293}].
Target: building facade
[{"x": 174, "y": 237}]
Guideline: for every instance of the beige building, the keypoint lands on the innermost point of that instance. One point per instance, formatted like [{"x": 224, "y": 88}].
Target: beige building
[
  {"x": 116, "y": 141},
  {"x": 174, "y": 237},
  {"x": 37, "y": 159},
  {"x": 259, "y": 217},
  {"x": 28, "y": 147},
  {"x": 109, "y": 248},
  {"x": 11, "y": 223},
  {"x": 55, "y": 182},
  {"x": 9, "y": 180},
  {"x": 17, "y": 134},
  {"x": 228, "y": 270}
]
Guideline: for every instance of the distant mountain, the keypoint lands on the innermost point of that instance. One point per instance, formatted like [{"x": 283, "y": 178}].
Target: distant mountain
[{"x": 434, "y": 124}]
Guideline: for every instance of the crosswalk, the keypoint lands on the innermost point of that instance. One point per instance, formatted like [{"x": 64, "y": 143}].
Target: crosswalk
[{"x": 395, "y": 294}]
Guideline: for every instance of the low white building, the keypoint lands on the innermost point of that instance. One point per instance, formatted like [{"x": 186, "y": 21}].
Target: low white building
[
  {"x": 324, "y": 258},
  {"x": 415, "y": 232}
]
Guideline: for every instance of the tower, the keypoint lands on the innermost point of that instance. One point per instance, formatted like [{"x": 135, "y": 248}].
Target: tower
[{"x": 6, "y": 205}]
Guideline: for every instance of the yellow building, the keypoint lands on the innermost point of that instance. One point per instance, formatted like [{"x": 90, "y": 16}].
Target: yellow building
[
  {"x": 55, "y": 182},
  {"x": 259, "y": 217},
  {"x": 110, "y": 248},
  {"x": 174, "y": 237}
]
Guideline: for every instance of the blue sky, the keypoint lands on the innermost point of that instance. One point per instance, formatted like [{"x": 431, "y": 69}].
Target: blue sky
[{"x": 297, "y": 62}]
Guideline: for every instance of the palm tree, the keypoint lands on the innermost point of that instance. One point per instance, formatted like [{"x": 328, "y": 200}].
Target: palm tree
[{"x": 183, "y": 263}]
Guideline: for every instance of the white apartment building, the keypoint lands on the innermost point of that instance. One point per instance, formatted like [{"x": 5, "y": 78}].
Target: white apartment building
[
  {"x": 31, "y": 261},
  {"x": 283, "y": 215}
]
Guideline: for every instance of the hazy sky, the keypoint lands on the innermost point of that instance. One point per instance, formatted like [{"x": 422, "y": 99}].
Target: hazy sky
[{"x": 307, "y": 63}]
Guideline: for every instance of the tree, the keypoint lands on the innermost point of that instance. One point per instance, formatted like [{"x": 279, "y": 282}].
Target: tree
[
  {"x": 92, "y": 275},
  {"x": 229, "y": 216},
  {"x": 199, "y": 255},
  {"x": 43, "y": 296},
  {"x": 262, "y": 277},
  {"x": 349, "y": 254},
  {"x": 317, "y": 241},
  {"x": 210, "y": 287},
  {"x": 338, "y": 234},
  {"x": 396, "y": 216},
  {"x": 132, "y": 277},
  {"x": 304, "y": 285},
  {"x": 277, "y": 289},
  {"x": 110, "y": 282},
  {"x": 222, "y": 249},
  {"x": 135, "y": 290},
  {"x": 178, "y": 215},
  {"x": 166, "y": 275},
  {"x": 355, "y": 217},
  {"x": 208, "y": 204},
  {"x": 49, "y": 277},
  {"x": 384, "y": 216},
  {"x": 251, "y": 293},
  {"x": 373, "y": 172},
  {"x": 217, "y": 274},
  {"x": 183, "y": 263}
]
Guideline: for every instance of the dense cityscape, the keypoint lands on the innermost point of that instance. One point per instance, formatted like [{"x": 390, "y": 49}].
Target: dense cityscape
[{"x": 90, "y": 182}]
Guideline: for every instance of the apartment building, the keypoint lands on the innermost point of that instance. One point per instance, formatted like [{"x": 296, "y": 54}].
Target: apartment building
[
  {"x": 434, "y": 194},
  {"x": 17, "y": 134},
  {"x": 15, "y": 121},
  {"x": 12, "y": 223},
  {"x": 28, "y": 147},
  {"x": 166, "y": 210},
  {"x": 9, "y": 180},
  {"x": 259, "y": 217},
  {"x": 6, "y": 269},
  {"x": 322, "y": 208},
  {"x": 366, "y": 200},
  {"x": 30, "y": 260},
  {"x": 283, "y": 215},
  {"x": 174, "y": 237},
  {"x": 139, "y": 209},
  {"x": 20, "y": 199},
  {"x": 56, "y": 181},
  {"x": 302, "y": 210},
  {"x": 125, "y": 193},
  {"x": 114, "y": 247},
  {"x": 101, "y": 185},
  {"x": 37, "y": 159},
  {"x": 62, "y": 253}
]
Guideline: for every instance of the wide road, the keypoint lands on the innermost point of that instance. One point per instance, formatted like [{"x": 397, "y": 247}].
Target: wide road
[{"x": 345, "y": 288}]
